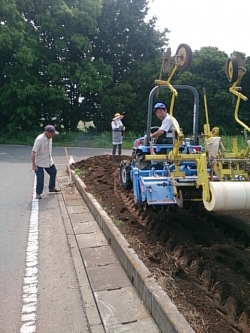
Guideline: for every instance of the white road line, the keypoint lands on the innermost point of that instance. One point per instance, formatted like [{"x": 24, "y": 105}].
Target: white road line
[{"x": 30, "y": 280}]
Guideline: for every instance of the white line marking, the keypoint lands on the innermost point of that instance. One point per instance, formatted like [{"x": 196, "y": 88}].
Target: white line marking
[{"x": 30, "y": 280}]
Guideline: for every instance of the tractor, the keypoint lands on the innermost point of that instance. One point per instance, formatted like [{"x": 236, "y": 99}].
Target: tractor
[{"x": 180, "y": 172}]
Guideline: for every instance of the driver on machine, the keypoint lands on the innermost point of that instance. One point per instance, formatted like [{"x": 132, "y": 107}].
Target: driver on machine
[{"x": 167, "y": 125}]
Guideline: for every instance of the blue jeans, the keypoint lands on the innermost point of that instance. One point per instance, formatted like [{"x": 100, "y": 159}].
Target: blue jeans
[{"x": 40, "y": 178}]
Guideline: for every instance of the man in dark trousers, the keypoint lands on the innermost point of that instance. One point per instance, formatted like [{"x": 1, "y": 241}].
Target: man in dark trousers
[{"x": 41, "y": 157}]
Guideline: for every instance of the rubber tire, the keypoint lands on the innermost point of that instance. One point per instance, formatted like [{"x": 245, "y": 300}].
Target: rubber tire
[
  {"x": 183, "y": 56},
  {"x": 125, "y": 168},
  {"x": 232, "y": 69}
]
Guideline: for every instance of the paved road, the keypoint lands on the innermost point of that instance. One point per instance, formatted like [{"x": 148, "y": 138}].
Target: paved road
[
  {"x": 15, "y": 206},
  {"x": 57, "y": 279}
]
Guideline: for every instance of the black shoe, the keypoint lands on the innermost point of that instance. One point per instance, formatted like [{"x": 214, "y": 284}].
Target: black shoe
[{"x": 55, "y": 190}]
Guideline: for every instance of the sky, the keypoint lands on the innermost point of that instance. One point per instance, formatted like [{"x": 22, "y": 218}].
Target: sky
[{"x": 224, "y": 24}]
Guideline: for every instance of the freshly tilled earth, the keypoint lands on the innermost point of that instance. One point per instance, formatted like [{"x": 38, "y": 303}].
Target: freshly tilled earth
[{"x": 201, "y": 259}]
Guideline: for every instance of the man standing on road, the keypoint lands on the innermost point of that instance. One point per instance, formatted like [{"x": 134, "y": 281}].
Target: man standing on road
[{"x": 41, "y": 157}]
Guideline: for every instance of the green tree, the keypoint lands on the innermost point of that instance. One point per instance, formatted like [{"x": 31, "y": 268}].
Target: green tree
[
  {"x": 11, "y": 41},
  {"x": 132, "y": 47},
  {"x": 50, "y": 74}
]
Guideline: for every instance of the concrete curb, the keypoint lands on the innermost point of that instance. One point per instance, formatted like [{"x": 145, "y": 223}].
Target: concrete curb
[{"x": 163, "y": 311}]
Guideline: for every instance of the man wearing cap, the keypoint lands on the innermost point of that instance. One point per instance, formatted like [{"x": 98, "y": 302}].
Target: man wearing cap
[
  {"x": 168, "y": 123},
  {"x": 41, "y": 157},
  {"x": 117, "y": 133}
]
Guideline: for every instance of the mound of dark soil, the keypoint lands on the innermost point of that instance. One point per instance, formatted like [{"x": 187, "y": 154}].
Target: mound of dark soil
[{"x": 200, "y": 259}]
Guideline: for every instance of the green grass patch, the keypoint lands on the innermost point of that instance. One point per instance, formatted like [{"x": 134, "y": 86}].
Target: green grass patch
[
  {"x": 79, "y": 172},
  {"x": 117, "y": 222}
]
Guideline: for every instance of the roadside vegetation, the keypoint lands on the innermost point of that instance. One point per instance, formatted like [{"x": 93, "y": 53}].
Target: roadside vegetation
[{"x": 103, "y": 140}]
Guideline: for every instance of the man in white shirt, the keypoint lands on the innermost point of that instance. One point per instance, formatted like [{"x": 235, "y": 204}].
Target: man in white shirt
[
  {"x": 168, "y": 123},
  {"x": 41, "y": 157}
]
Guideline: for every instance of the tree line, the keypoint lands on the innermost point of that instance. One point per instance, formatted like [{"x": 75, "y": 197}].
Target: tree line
[{"x": 66, "y": 61}]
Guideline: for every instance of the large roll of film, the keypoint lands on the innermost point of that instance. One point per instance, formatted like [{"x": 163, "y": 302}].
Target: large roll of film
[{"x": 228, "y": 196}]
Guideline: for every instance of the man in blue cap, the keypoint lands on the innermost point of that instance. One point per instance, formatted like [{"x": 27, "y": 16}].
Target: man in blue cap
[
  {"x": 168, "y": 124},
  {"x": 41, "y": 157}
]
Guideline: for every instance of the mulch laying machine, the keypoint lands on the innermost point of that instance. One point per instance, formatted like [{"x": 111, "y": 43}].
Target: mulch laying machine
[{"x": 182, "y": 172}]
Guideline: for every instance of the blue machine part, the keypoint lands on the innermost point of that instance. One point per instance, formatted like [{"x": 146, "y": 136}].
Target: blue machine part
[
  {"x": 152, "y": 181},
  {"x": 155, "y": 187},
  {"x": 153, "y": 190},
  {"x": 157, "y": 191},
  {"x": 185, "y": 148}
]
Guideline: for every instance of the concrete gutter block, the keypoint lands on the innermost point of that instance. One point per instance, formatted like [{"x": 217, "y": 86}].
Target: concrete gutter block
[
  {"x": 74, "y": 202},
  {"x": 97, "y": 329},
  {"x": 85, "y": 228},
  {"x": 94, "y": 239},
  {"x": 63, "y": 179},
  {"x": 140, "y": 326},
  {"x": 109, "y": 277},
  {"x": 99, "y": 256},
  {"x": 109, "y": 303},
  {"x": 79, "y": 209},
  {"x": 71, "y": 196},
  {"x": 82, "y": 218}
]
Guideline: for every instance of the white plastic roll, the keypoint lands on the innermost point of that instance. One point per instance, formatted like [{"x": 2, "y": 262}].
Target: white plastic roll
[{"x": 228, "y": 196}]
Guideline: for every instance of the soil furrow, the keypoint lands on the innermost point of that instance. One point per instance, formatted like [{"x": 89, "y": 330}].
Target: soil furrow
[{"x": 201, "y": 259}]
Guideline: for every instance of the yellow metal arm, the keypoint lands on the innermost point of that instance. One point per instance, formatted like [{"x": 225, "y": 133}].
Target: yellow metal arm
[{"x": 235, "y": 91}]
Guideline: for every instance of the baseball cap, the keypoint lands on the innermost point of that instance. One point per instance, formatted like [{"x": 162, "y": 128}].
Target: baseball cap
[
  {"x": 51, "y": 129},
  {"x": 159, "y": 106}
]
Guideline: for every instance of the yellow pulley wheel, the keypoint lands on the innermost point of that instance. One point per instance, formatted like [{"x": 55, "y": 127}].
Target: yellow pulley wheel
[{"x": 232, "y": 69}]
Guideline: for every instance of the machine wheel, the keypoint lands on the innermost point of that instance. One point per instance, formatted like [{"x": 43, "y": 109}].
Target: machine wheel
[
  {"x": 183, "y": 56},
  {"x": 186, "y": 198},
  {"x": 140, "y": 162},
  {"x": 232, "y": 69},
  {"x": 125, "y": 175},
  {"x": 166, "y": 61},
  {"x": 179, "y": 199}
]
